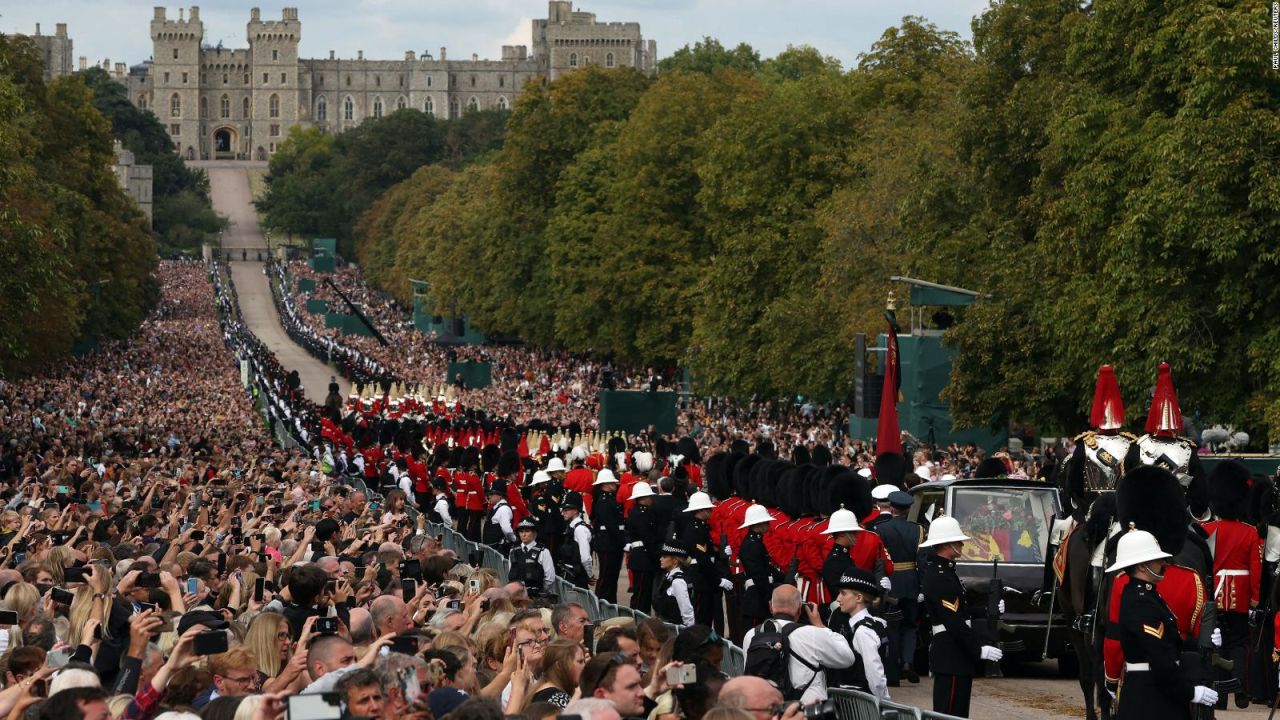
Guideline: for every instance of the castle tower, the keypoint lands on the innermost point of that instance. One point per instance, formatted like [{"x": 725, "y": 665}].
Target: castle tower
[
  {"x": 273, "y": 50},
  {"x": 175, "y": 78}
]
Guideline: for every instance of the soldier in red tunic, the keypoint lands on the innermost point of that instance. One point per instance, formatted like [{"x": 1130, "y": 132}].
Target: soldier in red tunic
[{"x": 1237, "y": 566}]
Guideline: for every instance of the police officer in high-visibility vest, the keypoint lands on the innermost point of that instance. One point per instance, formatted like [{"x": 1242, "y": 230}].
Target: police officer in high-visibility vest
[
  {"x": 498, "y": 532},
  {"x": 531, "y": 563},
  {"x": 575, "y": 548},
  {"x": 672, "y": 599},
  {"x": 954, "y": 653},
  {"x": 868, "y": 635},
  {"x": 1153, "y": 684}
]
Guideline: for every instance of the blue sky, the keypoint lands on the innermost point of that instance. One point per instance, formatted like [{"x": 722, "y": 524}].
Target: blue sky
[{"x": 384, "y": 29}]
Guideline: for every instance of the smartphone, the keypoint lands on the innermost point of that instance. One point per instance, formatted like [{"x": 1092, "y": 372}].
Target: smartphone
[
  {"x": 408, "y": 588},
  {"x": 145, "y": 606},
  {"x": 235, "y": 522},
  {"x": 454, "y": 605},
  {"x": 157, "y": 503},
  {"x": 212, "y": 642},
  {"x": 62, "y": 596},
  {"x": 75, "y": 574},
  {"x": 326, "y": 626},
  {"x": 222, "y": 563},
  {"x": 315, "y": 506},
  {"x": 358, "y": 571},
  {"x": 147, "y": 580},
  {"x": 589, "y": 636},
  {"x": 63, "y": 490},
  {"x": 331, "y": 587},
  {"x": 97, "y": 632},
  {"x": 683, "y": 675},
  {"x": 259, "y": 587},
  {"x": 315, "y": 706},
  {"x": 197, "y": 549},
  {"x": 197, "y": 535},
  {"x": 60, "y": 538},
  {"x": 410, "y": 569},
  {"x": 193, "y": 585},
  {"x": 405, "y": 644},
  {"x": 263, "y": 557},
  {"x": 8, "y": 617}
]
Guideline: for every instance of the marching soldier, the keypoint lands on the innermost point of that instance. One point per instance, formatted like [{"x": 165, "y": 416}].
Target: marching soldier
[
  {"x": 610, "y": 534},
  {"x": 704, "y": 570},
  {"x": 1237, "y": 567},
  {"x": 545, "y": 507},
  {"x": 762, "y": 576},
  {"x": 1154, "y": 684},
  {"x": 531, "y": 563},
  {"x": 954, "y": 653},
  {"x": 902, "y": 540},
  {"x": 575, "y": 548},
  {"x": 645, "y": 536}
]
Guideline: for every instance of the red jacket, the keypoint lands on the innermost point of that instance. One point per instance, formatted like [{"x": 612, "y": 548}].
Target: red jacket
[
  {"x": 1237, "y": 565},
  {"x": 1183, "y": 592}
]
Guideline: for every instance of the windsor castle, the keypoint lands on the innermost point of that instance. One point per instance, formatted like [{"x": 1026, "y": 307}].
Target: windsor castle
[{"x": 239, "y": 104}]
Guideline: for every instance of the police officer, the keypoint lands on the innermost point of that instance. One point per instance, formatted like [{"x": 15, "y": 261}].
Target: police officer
[
  {"x": 902, "y": 540},
  {"x": 704, "y": 570},
  {"x": 610, "y": 534},
  {"x": 672, "y": 600},
  {"x": 761, "y": 573},
  {"x": 954, "y": 653},
  {"x": 1153, "y": 684},
  {"x": 575, "y": 548},
  {"x": 645, "y": 537},
  {"x": 531, "y": 563},
  {"x": 867, "y": 634},
  {"x": 497, "y": 527},
  {"x": 439, "y": 509}
]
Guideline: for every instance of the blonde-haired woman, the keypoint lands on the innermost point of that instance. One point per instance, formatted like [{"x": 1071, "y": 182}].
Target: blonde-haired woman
[
  {"x": 562, "y": 664},
  {"x": 92, "y": 601},
  {"x": 24, "y": 599},
  {"x": 268, "y": 638}
]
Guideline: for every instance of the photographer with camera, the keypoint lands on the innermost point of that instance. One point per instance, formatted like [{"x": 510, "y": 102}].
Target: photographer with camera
[{"x": 794, "y": 648}]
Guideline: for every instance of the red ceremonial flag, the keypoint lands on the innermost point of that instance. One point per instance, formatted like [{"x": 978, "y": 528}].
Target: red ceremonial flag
[{"x": 888, "y": 436}]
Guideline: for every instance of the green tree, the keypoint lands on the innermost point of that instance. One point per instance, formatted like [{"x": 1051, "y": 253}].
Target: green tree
[{"x": 708, "y": 55}]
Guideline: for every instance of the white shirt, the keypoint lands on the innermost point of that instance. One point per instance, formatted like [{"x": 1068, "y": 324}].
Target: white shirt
[
  {"x": 502, "y": 516},
  {"x": 406, "y": 485},
  {"x": 680, "y": 591},
  {"x": 817, "y": 646},
  {"x": 582, "y": 536},
  {"x": 442, "y": 508},
  {"x": 867, "y": 644},
  {"x": 548, "y": 567}
]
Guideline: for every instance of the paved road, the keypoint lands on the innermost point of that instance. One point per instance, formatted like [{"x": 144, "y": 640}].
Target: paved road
[{"x": 229, "y": 189}]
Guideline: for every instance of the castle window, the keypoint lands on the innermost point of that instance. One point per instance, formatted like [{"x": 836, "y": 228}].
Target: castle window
[
  {"x": 265, "y": 78},
  {"x": 453, "y": 108},
  {"x": 284, "y": 78},
  {"x": 166, "y": 78},
  {"x": 184, "y": 78},
  {"x": 401, "y": 103},
  {"x": 430, "y": 107},
  {"x": 175, "y": 129},
  {"x": 273, "y": 106},
  {"x": 401, "y": 81},
  {"x": 377, "y": 81},
  {"x": 348, "y": 109},
  {"x": 175, "y": 53},
  {"x": 244, "y": 110},
  {"x": 473, "y": 81},
  {"x": 275, "y": 54},
  {"x": 428, "y": 81},
  {"x": 377, "y": 107},
  {"x": 502, "y": 81},
  {"x": 175, "y": 106},
  {"x": 246, "y": 78},
  {"x": 204, "y": 107},
  {"x": 319, "y": 81},
  {"x": 608, "y": 60},
  {"x": 453, "y": 80},
  {"x": 275, "y": 131},
  {"x": 322, "y": 109},
  {"x": 502, "y": 103},
  {"x": 473, "y": 104},
  {"x": 142, "y": 101},
  {"x": 348, "y": 81},
  {"x": 573, "y": 59},
  {"x": 224, "y": 107},
  {"x": 224, "y": 78}
]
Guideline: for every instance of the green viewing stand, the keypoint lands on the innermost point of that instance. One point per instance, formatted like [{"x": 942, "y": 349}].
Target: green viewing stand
[
  {"x": 633, "y": 411},
  {"x": 317, "y": 307},
  {"x": 306, "y": 285},
  {"x": 476, "y": 375}
]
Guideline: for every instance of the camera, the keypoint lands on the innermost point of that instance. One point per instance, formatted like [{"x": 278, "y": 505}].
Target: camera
[{"x": 825, "y": 710}]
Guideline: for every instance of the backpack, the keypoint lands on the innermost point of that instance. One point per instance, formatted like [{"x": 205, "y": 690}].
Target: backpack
[{"x": 769, "y": 656}]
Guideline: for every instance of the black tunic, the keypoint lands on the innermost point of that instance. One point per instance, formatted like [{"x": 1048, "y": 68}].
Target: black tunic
[
  {"x": 761, "y": 576},
  {"x": 955, "y": 650},
  {"x": 1149, "y": 634}
]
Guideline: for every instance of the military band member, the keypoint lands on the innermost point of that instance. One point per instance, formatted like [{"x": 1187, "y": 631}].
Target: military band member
[
  {"x": 646, "y": 538},
  {"x": 575, "y": 549},
  {"x": 531, "y": 562},
  {"x": 955, "y": 655},
  {"x": 672, "y": 599},
  {"x": 1154, "y": 684}
]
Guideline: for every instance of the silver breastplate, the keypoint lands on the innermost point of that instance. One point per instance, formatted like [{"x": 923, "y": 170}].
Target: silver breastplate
[
  {"x": 1105, "y": 454},
  {"x": 1172, "y": 454}
]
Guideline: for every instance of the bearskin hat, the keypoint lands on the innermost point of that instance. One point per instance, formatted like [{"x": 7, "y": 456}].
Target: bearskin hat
[
  {"x": 1229, "y": 490},
  {"x": 766, "y": 449},
  {"x": 773, "y": 482},
  {"x": 1262, "y": 495},
  {"x": 820, "y": 496},
  {"x": 1198, "y": 488},
  {"x": 991, "y": 468},
  {"x": 456, "y": 456},
  {"x": 821, "y": 455},
  {"x": 730, "y": 472},
  {"x": 510, "y": 438},
  {"x": 470, "y": 457},
  {"x": 714, "y": 473},
  {"x": 1151, "y": 498},
  {"x": 759, "y": 481},
  {"x": 782, "y": 493},
  {"x": 508, "y": 464},
  {"x": 891, "y": 469},
  {"x": 797, "y": 492},
  {"x": 800, "y": 455},
  {"x": 688, "y": 447},
  {"x": 489, "y": 456},
  {"x": 849, "y": 490},
  {"x": 617, "y": 445},
  {"x": 742, "y": 476}
]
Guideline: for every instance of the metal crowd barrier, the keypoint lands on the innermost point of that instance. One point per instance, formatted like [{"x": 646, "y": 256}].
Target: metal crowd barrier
[{"x": 855, "y": 705}]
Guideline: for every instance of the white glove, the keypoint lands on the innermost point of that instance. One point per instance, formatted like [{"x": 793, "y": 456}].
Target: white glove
[
  {"x": 921, "y": 598},
  {"x": 1216, "y": 638},
  {"x": 1000, "y": 607},
  {"x": 1205, "y": 696},
  {"x": 726, "y": 585},
  {"x": 886, "y": 583},
  {"x": 991, "y": 652}
]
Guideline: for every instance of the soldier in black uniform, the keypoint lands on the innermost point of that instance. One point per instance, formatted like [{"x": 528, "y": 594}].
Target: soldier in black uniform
[
  {"x": 645, "y": 537},
  {"x": 609, "y": 534},
  {"x": 575, "y": 547},
  {"x": 902, "y": 540},
  {"x": 531, "y": 563},
  {"x": 704, "y": 569},
  {"x": 954, "y": 653},
  {"x": 672, "y": 600},
  {"x": 545, "y": 507},
  {"x": 843, "y": 525},
  {"x": 762, "y": 576},
  {"x": 1154, "y": 685}
]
